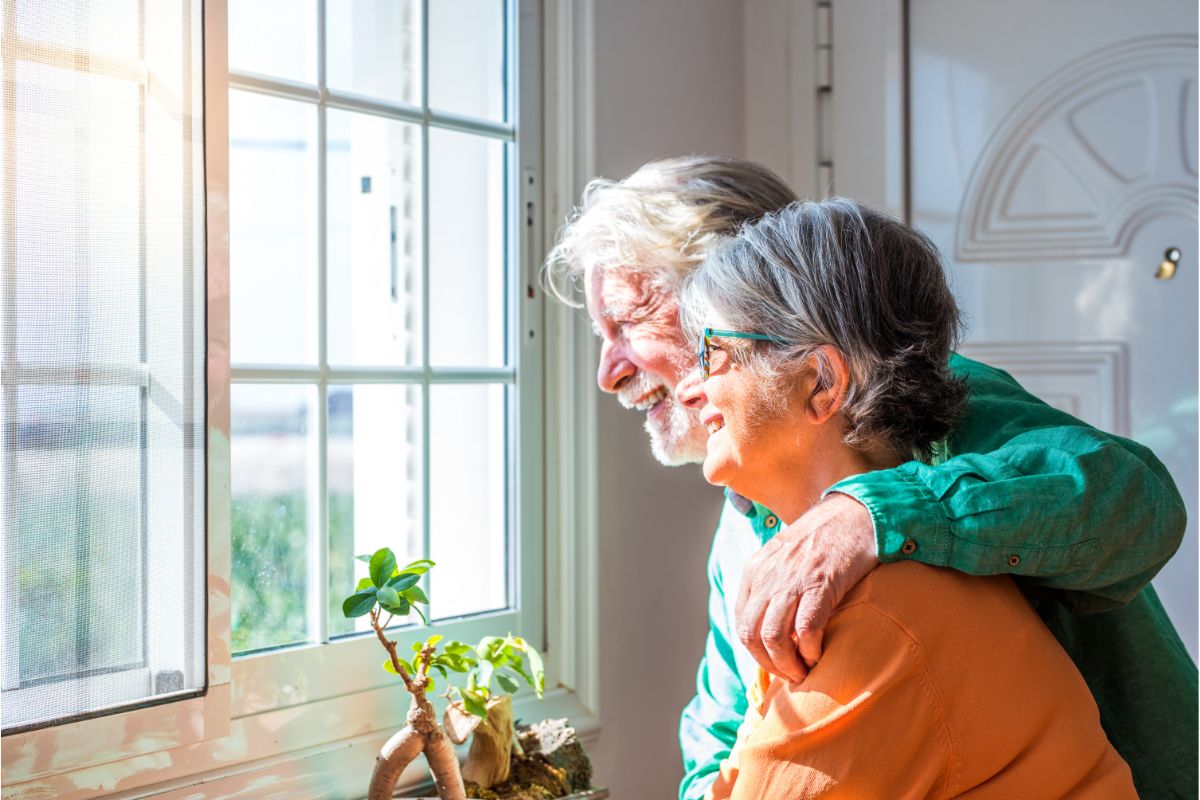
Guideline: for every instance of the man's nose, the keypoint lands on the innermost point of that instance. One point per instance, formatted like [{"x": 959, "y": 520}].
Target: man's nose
[
  {"x": 690, "y": 391},
  {"x": 615, "y": 367}
]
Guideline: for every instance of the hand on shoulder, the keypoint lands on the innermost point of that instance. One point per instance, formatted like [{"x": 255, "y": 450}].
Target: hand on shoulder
[{"x": 790, "y": 588}]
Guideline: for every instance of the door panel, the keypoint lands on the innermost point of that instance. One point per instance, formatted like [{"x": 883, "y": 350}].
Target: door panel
[{"x": 1054, "y": 163}]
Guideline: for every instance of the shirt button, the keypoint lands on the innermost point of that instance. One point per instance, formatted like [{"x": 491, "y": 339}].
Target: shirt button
[
  {"x": 909, "y": 547},
  {"x": 1014, "y": 560},
  {"x": 771, "y": 521}
]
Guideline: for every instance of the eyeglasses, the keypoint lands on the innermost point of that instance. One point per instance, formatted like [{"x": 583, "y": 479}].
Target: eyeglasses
[{"x": 706, "y": 344}]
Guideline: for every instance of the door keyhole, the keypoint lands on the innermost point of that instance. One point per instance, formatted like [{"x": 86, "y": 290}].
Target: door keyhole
[{"x": 1166, "y": 270}]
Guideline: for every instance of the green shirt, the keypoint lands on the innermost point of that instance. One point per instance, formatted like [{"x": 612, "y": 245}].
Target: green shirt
[{"x": 1084, "y": 520}]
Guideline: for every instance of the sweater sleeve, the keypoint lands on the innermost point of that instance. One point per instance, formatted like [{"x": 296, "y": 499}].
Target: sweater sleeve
[{"x": 1030, "y": 491}]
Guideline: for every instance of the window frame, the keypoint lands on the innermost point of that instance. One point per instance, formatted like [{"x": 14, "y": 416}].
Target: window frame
[
  {"x": 287, "y": 666},
  {"x": 145, "y": 376},
  {"x": 273, "y": 716}
]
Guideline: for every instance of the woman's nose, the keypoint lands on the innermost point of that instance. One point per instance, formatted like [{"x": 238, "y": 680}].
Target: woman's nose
[{"x": 690, "y": 391}]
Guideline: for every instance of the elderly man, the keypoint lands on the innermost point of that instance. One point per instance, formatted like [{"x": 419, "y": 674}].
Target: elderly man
[{"x": 1083, "y": 519}]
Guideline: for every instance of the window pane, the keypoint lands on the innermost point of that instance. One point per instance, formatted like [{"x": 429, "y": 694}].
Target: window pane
[
  {"x": 75, "y": 205},
  {"x": 467, "y": 287},
  {"x": 78, "y": 524},
  {"x": 468, "y": 511},
  {"x": 273, "y": 229},
  {"x": 466, "y": 57},
  {"x": 108, "y": 28},
  {"x": 102, "y": 319},
  {"x": 373, "y": 216},
  {"x": 274, "y": 37},
  {"x": 375, "y": 489},
  {"x": 273, "y": 452},
  {"x": 373, "y": 48}
]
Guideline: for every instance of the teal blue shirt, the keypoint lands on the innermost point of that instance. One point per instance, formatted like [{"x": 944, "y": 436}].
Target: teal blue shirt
[{"x": 1091, "y": 519}]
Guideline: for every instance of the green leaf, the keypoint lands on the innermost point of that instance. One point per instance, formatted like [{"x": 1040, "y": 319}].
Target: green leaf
[
  {"x": 363, "y": 584},
  {"x": 365, "y": 557},
  {"x": 382, "y": 564},
  {"x": 429, "y": 684},
  {"x": 416, "y": 647},
  {"x": 456, "y": 663},
  {"x": 484, "y": 672},
  {"x": 507, "y": 683},
  {"x": 474, "y": 705},
  {"x": 538, "y": 669},
  {"x": 488, "y": 647},
  {"x": 441, "y": 670},
  {"x": 400, "y": 609},
  {"x": 419, "y": 614},
  {"x": 415, "y": 594},
  {"x": 456, "y": 648},
  {"x": 419, "y": 567},
  {"x": 389, "y": 667},
  {"x": 432, "y": 641},
  {"x": 403, "y": 581},
  {"x": 359, "y": 603},
  {"x": 388, "y": 597}
]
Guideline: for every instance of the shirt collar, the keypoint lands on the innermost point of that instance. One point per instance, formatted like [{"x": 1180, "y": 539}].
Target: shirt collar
[{"x": 743, "y": 504}]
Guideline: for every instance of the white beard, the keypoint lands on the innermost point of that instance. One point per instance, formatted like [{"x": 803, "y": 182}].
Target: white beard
[
  {"x": 675, "y": 440},
  {"x": 681, "y": 440}
]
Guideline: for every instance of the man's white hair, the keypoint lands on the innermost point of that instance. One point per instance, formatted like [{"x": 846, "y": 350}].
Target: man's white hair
[{"x": 660, "y": 221}]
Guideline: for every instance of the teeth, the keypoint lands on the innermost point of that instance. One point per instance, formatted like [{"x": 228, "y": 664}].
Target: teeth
[
  {"x": 714, "y": 426},
  {"x": 649, "y": 400}
]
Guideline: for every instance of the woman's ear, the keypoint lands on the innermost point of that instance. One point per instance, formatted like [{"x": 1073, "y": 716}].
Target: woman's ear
[{"x": 830, "y": 383}]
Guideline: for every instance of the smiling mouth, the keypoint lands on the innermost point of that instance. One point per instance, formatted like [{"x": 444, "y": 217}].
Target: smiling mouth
[{"x": 650, "y": 400}]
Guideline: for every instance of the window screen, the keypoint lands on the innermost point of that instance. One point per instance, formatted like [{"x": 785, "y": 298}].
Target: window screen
[{"x": 102, "y": 311}]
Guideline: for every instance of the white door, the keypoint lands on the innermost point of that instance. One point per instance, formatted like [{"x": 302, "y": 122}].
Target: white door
[{"x": 1054, "y": 163}]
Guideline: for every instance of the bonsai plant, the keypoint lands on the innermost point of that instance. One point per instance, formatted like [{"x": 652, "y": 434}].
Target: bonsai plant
[{"x": 473, "y": 708}]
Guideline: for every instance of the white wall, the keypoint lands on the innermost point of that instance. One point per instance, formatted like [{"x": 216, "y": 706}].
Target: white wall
[{"x": 668, "y": 79}]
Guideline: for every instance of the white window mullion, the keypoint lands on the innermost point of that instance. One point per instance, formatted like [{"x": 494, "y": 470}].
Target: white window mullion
[
  {"x": 426, "y": 523},
  {"x": 319, "y": 561}
]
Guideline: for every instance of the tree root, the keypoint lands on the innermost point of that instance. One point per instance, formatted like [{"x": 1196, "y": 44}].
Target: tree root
[
  {"x": 420, "y": 733},
  {"x": 443, "y": 763},
  {"x": 395, "y": 755}
]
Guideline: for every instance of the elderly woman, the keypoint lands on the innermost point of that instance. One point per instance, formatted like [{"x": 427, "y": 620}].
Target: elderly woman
[{"x": 824, "y": 333}]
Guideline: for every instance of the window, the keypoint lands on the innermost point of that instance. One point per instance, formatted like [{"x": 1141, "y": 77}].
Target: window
[
  {"x": 374, "y": 280},
  {"x": 386, "y": 382},
  {"x": 103, "y": 354}
]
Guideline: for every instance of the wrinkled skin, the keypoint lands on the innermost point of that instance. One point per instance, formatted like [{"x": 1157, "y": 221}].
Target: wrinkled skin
[
  {"x": 643, "y": 356},
  {"x": 832, "y": 547},
  {"x": 790, "y": 588}
]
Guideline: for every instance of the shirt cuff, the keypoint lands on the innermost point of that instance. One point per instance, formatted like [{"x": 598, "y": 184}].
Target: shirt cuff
[{"x": 910, "y": 523}]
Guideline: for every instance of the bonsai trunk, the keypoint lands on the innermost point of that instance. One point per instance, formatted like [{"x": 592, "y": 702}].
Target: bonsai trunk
[{"x": 420, "y": 733}]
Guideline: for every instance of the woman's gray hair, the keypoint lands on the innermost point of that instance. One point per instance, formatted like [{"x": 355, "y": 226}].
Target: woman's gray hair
[
  {"x": 837, "y": 273},
  {"x": 660, "y": 221}
]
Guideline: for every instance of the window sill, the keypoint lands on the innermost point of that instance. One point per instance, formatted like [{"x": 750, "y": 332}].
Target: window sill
[{"x": 321, "y": 749}]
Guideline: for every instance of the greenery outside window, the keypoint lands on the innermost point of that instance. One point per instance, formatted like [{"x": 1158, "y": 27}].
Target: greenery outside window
[{"x": 374, "y": 272}]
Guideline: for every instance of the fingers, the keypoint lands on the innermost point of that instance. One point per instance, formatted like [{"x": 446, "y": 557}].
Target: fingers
[
  {"x": 776, "y": 635},
  {"x": 812, "y": 615},
  {"x": 750, "y": 612},
  {"x": 745, "y": 591}
]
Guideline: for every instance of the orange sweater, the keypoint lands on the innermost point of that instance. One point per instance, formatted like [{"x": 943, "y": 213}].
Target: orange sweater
[{"x": 932, "y": 684}]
